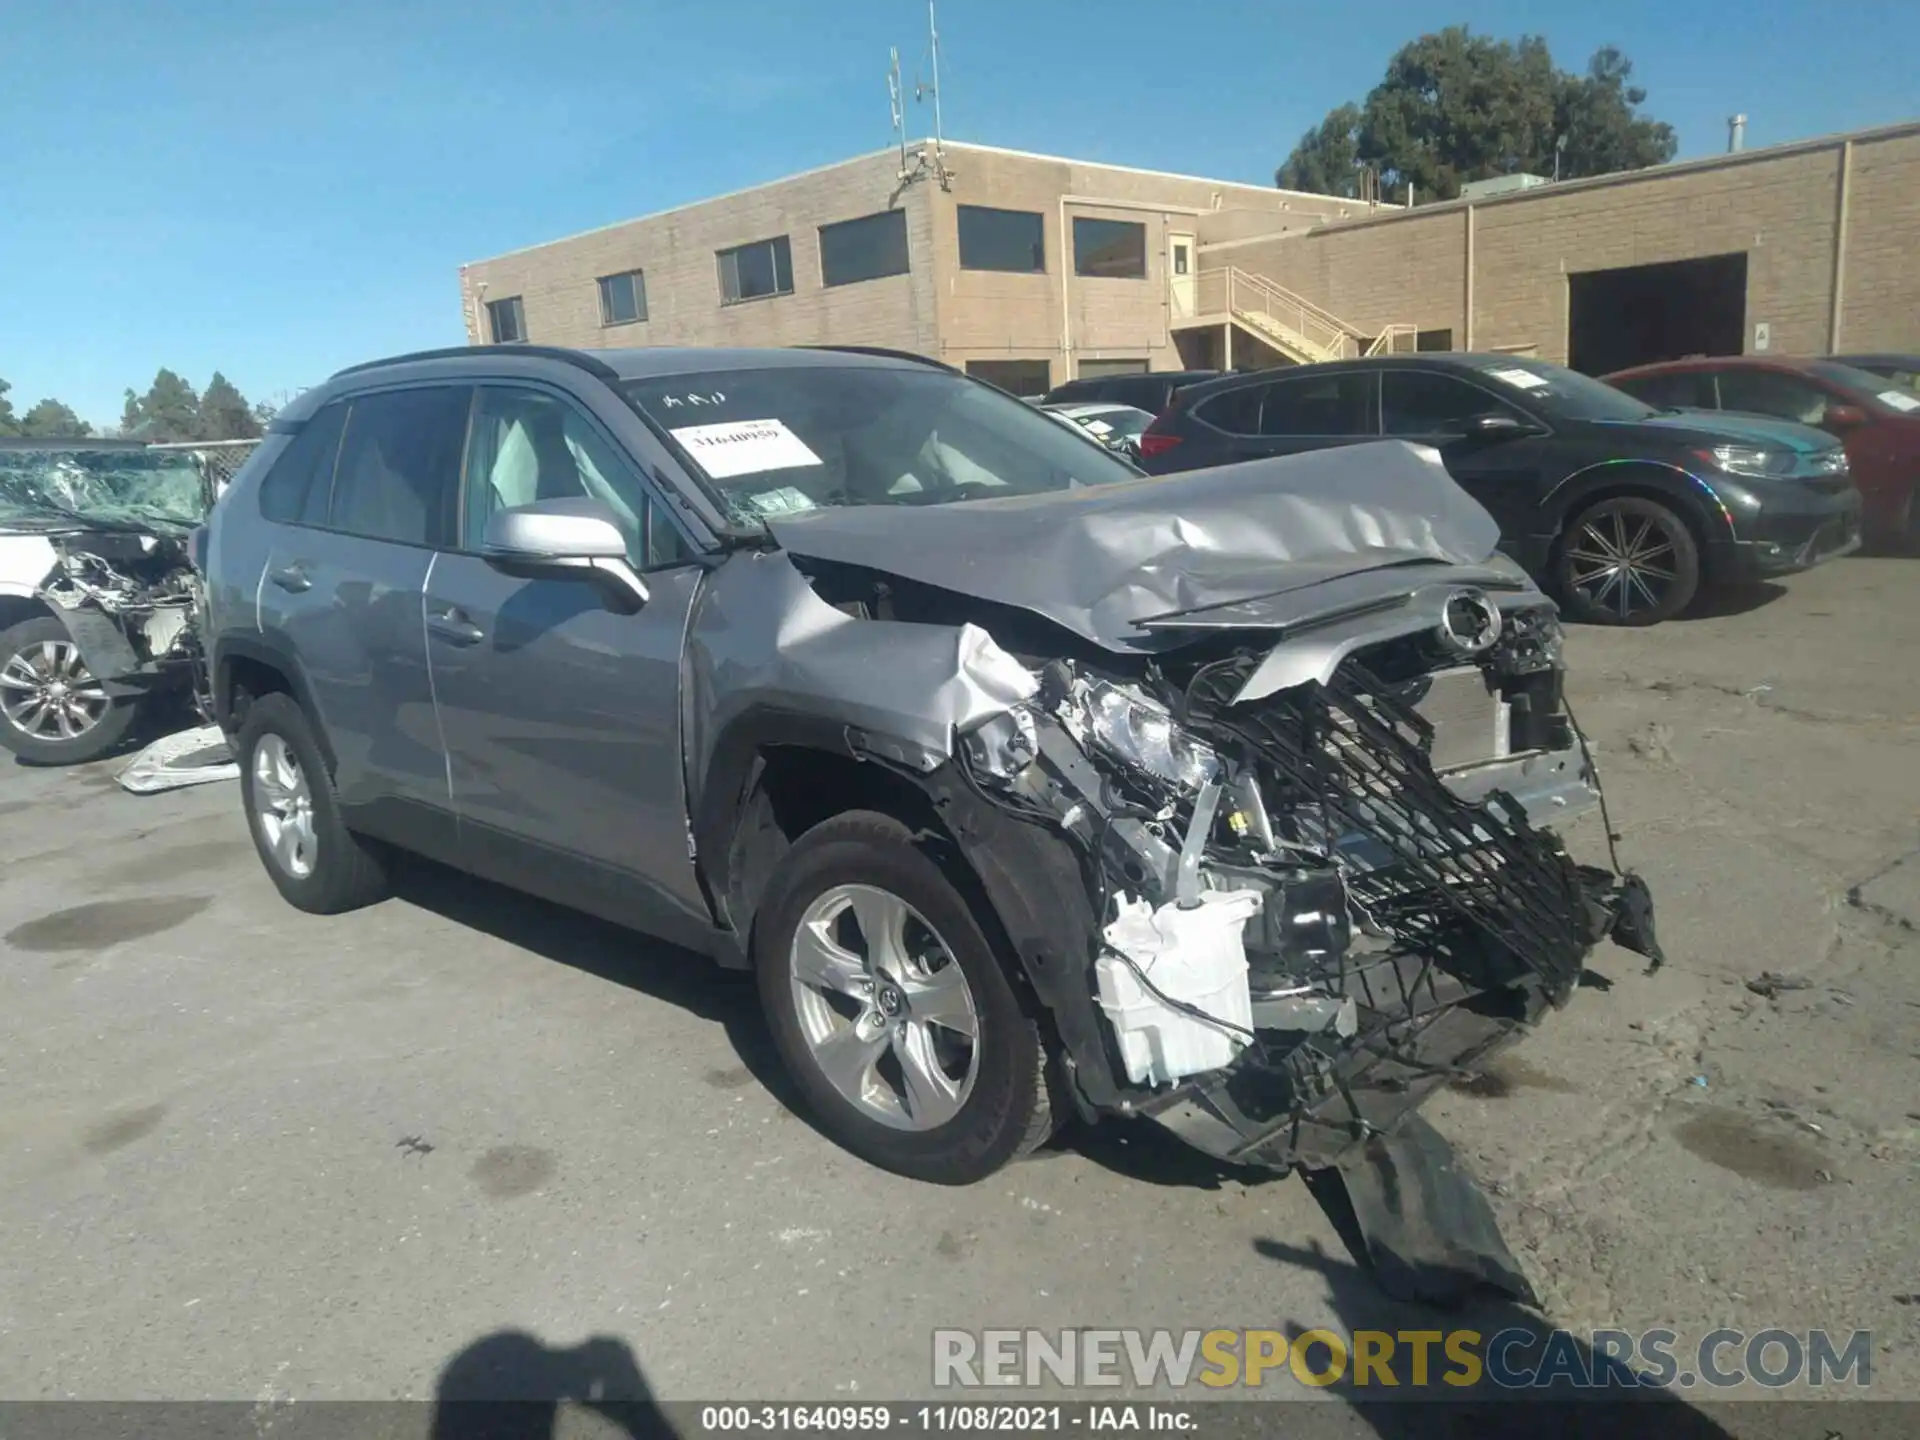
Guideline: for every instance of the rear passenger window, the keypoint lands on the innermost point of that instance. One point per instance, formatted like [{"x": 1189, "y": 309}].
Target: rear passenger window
[
  {"x": 296, "y": 490},
  {"x": 399, "y": 473},
  {"x": 1320, "y": 405}
]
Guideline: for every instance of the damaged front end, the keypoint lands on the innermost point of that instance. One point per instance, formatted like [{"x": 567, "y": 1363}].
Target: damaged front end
[
  {"x": 96, "y": 535},
  {"x": 1322, "y": 870},
  {"x": 133, "y": 603}
]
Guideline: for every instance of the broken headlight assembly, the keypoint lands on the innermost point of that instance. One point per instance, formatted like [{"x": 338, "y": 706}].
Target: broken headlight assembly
[{"x": 1143, "y": 735}]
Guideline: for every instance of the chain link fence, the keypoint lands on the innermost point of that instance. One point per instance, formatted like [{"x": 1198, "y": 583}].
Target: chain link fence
[{"x": 219, "y": 460}]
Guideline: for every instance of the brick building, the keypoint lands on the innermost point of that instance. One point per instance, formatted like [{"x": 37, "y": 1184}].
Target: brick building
[
  {"x": 1031, "y": 270},
  {"x": 1025, "y": 268}
]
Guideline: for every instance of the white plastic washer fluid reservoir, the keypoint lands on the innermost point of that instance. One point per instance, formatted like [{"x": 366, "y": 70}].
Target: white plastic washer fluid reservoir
[{"x": 1193, "y": 956}]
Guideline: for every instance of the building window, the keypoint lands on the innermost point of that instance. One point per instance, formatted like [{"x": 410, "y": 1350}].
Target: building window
[
  {"x": 864, "y": 249},
  {"x": 1112, "y": 249},
  {"x": 623, "y": 298},
  {"x": 1025, "y": 378},
  {"x": 508, "y": 319},
  {"x": 1014, "y": 240},
  {"x": 753, "y": 272},
  {"x": 1181, "y": 262},
  {"x": 1097, "y": 369}
]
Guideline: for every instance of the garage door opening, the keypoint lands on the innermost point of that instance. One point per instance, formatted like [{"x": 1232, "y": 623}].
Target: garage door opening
[{"x": 1643, "y": 313}]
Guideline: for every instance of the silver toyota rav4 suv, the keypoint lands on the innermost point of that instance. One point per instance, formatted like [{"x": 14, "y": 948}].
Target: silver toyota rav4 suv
[{"x": 1028, "y": 786}]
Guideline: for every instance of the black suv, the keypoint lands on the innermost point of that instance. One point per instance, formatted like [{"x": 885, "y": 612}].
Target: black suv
[
  {"x": 1628, "y": 511},
  {"x": 1151, "y": 391}
]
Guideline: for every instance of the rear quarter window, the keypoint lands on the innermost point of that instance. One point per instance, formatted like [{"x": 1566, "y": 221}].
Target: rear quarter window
[
  {"x": 299, "y": 486},
  {"x": 1237, "y": 411}
]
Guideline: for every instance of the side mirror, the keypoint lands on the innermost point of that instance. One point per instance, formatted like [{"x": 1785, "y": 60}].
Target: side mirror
[
  {"x": 1495, "y": 426},
  {"x": 1844, "y": 417},
  {"x": 571, "y": 539}
]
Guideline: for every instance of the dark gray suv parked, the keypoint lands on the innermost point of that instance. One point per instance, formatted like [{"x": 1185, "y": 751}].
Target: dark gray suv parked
[{"x": 1027, "y": 785}]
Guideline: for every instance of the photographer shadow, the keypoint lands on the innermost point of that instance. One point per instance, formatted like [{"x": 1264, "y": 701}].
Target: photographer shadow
[{"x": 511, "y": 1386}]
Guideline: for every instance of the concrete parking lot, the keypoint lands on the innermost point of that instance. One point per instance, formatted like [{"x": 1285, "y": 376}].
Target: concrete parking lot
[{"x": 250, "y": 1154}]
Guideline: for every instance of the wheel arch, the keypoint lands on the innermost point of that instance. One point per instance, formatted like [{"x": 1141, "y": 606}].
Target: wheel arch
[
  {"x": 17, "y": 608},
  {"x": 1673, "y": 486},
  {"x": 775, "y": 774},
  {"x": 247, "y": 667}
]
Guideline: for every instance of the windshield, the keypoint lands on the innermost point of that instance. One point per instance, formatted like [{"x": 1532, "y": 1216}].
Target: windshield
[
  {"x": 783, "y": 439},
  {"x": 1562, "y": 392},
  {"x": 134, "y": 489},
  {"x": 1876, "y": 390}
]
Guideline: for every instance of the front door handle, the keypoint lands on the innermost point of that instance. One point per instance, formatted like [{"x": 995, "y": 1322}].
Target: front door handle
[
  {"x": 292, "y": 578},
  {"x": 451, "y": 624}
]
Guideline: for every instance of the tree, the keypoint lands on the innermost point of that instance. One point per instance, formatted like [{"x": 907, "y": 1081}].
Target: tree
[
  {"x": 1455, "y": 106},
  {"x": 224, "y": 412},
  {"x": 53, "y": 419},
  {"x": 1596, "y": 114},
  {"x": 1327, "y": 159},
  {"x": 170, "y": 410},
  {"x": 9, "y": 425}
]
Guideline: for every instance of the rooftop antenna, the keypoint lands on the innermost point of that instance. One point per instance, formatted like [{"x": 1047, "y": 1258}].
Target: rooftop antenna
[
  {"x": 893, "y": 104},
  {"x": 923, "y": 89}
]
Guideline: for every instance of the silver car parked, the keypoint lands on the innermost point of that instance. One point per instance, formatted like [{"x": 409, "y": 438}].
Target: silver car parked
[{"x": 1029, "y": 787}]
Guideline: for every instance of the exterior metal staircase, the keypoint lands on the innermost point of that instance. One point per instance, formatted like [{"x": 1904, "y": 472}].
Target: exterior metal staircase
[{"x": 1290, "y": 323}]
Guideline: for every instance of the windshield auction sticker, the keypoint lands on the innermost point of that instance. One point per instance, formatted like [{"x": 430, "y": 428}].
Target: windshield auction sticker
[{"x": 744, "y": 447}]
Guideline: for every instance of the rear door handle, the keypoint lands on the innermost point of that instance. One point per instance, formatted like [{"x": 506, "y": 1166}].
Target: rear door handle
[
  {"x": 451, "y": 624},
  {"x": 291, "y": 578}
]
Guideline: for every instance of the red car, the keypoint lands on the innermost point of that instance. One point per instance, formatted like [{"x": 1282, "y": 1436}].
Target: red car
[{"x": 1876, "y": 420}]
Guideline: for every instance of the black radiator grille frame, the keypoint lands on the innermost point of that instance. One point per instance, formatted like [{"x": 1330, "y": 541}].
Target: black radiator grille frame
[{"x": 1472, "y": 884}]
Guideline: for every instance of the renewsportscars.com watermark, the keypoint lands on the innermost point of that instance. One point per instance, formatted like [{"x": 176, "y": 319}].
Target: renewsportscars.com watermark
[{"x": 1380, "y": 1360}]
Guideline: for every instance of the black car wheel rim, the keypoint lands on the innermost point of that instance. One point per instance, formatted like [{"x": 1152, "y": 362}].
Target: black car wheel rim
[{"x": 1622, "y": 562}]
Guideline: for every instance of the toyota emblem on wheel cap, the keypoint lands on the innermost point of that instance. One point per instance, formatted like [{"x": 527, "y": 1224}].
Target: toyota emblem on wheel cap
[{"x": 1469, "y": 622}]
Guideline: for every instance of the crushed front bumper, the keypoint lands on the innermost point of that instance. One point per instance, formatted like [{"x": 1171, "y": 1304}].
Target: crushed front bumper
[{"x": 1420, "y": 1027}]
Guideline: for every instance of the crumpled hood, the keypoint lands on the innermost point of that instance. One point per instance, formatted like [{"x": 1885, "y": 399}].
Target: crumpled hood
[{"x": 1101, "y": 560}]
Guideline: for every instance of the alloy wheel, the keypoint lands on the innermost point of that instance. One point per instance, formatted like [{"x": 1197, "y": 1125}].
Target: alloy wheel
[
  {"x": 283, "y": 802},
  {"x": 47, "y": 692},
  {"x": 1623, "y": 562},
  {"x": 884, "y": 1007}
]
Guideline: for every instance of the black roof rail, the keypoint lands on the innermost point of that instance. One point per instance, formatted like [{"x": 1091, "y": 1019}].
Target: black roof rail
[
  {"x": 591, "y": 364},
  {"x": 885, "y": 353}
]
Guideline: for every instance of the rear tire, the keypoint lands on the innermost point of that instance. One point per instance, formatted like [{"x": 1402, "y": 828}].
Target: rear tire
[
  {"x": 293, "y": 813},
  {"x": 1626, "y": 560},
  {"x": 44, "y": 687},
  {"x": 867, "y": 865}
]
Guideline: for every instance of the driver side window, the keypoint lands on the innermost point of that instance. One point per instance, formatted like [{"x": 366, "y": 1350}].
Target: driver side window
[
  {"x": 528, "y": 446},
  {"x": 1768, "y": 392},
  {"x": 1416, "y": 403}
]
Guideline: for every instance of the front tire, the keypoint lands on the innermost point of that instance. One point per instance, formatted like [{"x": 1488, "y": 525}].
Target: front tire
[
  {"x": 1627, "y": 560},
  {"x": 892, "y": 1010},
  {"x": 293, "y": 813},
  {"x": 53, "y": 710}
]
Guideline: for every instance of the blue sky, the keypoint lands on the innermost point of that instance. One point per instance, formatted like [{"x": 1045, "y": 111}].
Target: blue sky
[{"x": 277, "y": 189}]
